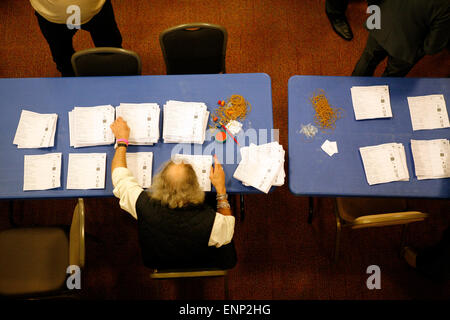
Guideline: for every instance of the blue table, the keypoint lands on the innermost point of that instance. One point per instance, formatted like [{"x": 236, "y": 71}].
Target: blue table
[
  {"x": 313, "y": 173},
  {"x": 59, "y": 95}
]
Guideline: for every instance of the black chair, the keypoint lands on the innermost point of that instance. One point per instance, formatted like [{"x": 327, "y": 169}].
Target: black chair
[
  {"x": 106, "y": 61},
  {"x": 196, "y": 48},
  {"x": 34, "y": 260}
]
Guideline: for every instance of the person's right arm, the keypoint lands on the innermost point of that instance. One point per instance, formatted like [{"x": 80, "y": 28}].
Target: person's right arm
[{"x": 126, "y": 187}]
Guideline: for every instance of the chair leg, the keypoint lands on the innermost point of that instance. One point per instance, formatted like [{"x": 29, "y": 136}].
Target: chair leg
[{"x": 403, "y": 238}]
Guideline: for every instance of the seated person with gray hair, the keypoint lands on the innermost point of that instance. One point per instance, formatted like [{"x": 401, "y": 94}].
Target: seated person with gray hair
[{"x": 176, "y": 228}]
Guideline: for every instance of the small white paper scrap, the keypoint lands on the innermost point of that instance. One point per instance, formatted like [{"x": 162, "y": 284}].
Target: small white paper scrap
[
  {"x": 234, "y": 127},
  {"x": 330, "y": 147}
]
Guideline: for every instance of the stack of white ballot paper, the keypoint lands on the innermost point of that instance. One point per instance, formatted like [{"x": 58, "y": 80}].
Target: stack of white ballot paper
[
  {"x": 86, "y": 171},
  {"x": 36, "y": 130},
  {"x": 185, "y": 122},
  {"x": 385, "y": 163},
  {"x": 201, "y": 165},
  {"x": 371, "y": 102},
  {"x": 90, "y": 126},
  {"x": 143, "y": 120},
  {"x": 261, "y": 166},
  {"x": 428, "y": 112},
  {"x": 431, "y": 158},
  {"x": 42, "y": 172},
  {"x": 140, "y": 165}
]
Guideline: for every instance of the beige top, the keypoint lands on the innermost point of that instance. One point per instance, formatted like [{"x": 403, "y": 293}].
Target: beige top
[{"x": 56, "y": 10}]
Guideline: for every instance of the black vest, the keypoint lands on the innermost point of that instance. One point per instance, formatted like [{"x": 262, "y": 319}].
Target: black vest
[{"x": 178, "y": 238}]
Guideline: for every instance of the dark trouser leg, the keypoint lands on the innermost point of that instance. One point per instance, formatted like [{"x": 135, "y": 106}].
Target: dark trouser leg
[
  {"x": 397, "y": 68},
  {"x": 371, "y": 57},
  {"x": 59, "y": 39},
  {"x": 336, "y": 7},
  {"x": 435, "y": 261},
  {"x": 103, "y": 28}
]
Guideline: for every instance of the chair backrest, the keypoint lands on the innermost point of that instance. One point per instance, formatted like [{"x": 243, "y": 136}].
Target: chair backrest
[
  {"x": 195, "y": 48},
  {"x": 191, "y": 273},
  {"x": 77, "y": 251},
  {"x": 106, "y": 61}
]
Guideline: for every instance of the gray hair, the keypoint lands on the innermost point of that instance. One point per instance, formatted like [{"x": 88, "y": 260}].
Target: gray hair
[{"x": 179, "y": 193}]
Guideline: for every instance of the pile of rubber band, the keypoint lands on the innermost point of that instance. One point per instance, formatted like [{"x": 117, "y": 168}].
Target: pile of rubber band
[
  {"x": 325, "y": 116},
  {"x": 234, "y": 108}
]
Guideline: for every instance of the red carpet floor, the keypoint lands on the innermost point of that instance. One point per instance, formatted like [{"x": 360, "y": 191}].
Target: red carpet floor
[{"x": 280, "y": 255}]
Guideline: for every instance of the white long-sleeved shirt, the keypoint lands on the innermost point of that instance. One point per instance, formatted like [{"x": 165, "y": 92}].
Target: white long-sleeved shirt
[
  {"x": 127, "y": 189},
  {"x": 56, "y": 11}
]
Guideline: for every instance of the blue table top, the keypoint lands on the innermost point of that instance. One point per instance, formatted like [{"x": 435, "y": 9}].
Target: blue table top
[
  {"x": 312, "y": 172},
  {"x": 59, "y": 95}
]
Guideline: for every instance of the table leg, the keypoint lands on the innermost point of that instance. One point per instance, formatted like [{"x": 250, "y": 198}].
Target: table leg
[
  {"x": 11, "y": 213},
  {"x": 311, "y": 209},
  {"x": 242, "y": 207}
]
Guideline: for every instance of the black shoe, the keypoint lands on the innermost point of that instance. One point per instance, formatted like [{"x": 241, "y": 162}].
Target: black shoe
[{"x": 341, "y": 27}]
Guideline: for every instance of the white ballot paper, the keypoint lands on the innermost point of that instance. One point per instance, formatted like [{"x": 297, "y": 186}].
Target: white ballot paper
[
  {"x": 184, "y": 122},
  {"x": 261, "y": 166},
  {"x": 143, "y": 121},
  {"x": 140, "y": 165},
  {"x": 330, "y": 147},
  {"x": 201, "y": 165},
  {"x": 431, "y": 158},
  {"x": 42, "y": 172},
  {"x": 90, "y": 126},
  {"x": 371, "y": 102},
  {"x": 428, "y": 112},
  {"x": 35, "y": 130},
  {"x": 86, "y": 171},
  {"x": 384, "y": 163}
]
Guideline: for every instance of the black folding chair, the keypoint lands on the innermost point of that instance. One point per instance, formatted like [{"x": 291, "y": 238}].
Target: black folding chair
[{"x": 196, "y": 48}]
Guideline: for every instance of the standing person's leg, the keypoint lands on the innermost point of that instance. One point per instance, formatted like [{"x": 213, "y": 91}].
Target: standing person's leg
[
  {"x": 397, "y": 68},
  {"x": 59, "y": 39},
  {"x": 371, "y": 57},
  {"x": 336, "y": 7},
  {"x": 103, "y": 28},
  {"x": 335, "y": 10}
]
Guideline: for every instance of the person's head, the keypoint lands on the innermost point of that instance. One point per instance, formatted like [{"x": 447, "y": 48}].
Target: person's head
[{"x": 176, "y": 186}]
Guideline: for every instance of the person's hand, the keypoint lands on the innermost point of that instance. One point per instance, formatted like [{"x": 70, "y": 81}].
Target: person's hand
[
  {"x": 217, "y": 176},
  {"x": 120, "y": 129}
]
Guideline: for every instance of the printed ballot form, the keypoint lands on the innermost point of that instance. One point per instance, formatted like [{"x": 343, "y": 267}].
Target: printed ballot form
[
  {"x": 201, "y": 165},
  {"x": 371, "y": 102},
  {"x": 428, "y": 112},
  {"x": 143, "y": 121},
  {"x": 384, "y": 163},
  {"x": 261, "y": 166},
  {"x": 42, "y": 172},
  {"x": 140, "y": 165},
  {"x": 185, "y": 122},
  {"x": 35, "y": 130},
  {"x": 90, "y": 126},
  {"x": 431, "y": 158},
  {"x": 86, "y": 171}
]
